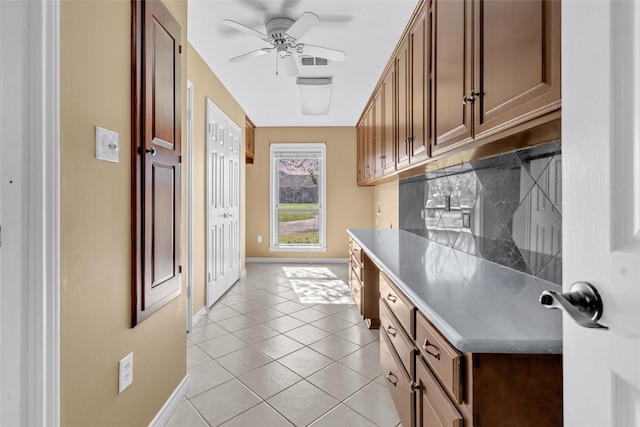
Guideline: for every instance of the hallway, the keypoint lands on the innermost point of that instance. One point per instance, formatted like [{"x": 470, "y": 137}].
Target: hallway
[{"x": 285, "y": 346}]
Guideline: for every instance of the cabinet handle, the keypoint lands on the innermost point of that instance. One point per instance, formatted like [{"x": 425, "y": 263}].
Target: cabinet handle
[
  {"x": 471, "y": 98},
  {"x": 435, "y": 354},
  {"x": 392, "y": 298},
  {"x": 392, "y": 381},
  {"x": 391, "y": 331}
]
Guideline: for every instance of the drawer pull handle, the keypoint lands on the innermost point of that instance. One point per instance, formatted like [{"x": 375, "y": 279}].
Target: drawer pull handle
[
  {"x": 391, "y": 331},
  {"x": 393, "y": 381},
  {"x": 392, "y": 298},
  {"x": 435, "y": 353}
]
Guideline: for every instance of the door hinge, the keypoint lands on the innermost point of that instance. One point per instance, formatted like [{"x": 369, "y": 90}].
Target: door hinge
[
  {"x": 188, "y": 291},
  {"x": 208, "y": 277},
  {"x": 180, "y": 269},
  {"x": 180, "y": 49},
  {"x": 180, "y": 161}
]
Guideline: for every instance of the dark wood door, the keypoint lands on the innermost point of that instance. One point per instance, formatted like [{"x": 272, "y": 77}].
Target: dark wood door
[
  {"x": 517, "y": 65},
  {"x": 389, "y": 132},
  {"x": 156, "y": 159},
  {"x": 418, "y": 42},
  {"x": 368, "y": 145},
  {"x": 378, "y": 144},
  {"x": 403, "y": 99},
  {"x": 452, "y": 74}
]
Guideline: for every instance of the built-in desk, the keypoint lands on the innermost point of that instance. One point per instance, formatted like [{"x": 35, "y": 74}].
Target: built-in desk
[{"x": 463, "y": 341}]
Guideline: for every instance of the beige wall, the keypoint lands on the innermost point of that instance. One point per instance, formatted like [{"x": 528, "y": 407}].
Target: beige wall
[
  {"x": 348, "y": 206},
  {"x": 386, "y": 205},
  {"x": 95, "y": 234},
  {"x": 206, "y": 85}
]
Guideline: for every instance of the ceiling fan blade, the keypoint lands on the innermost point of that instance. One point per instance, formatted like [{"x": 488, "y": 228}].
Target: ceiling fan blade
[
  {"x": 243, "y": 28},
  {"x": 253, "y": 54},
  {"x": 323, "y": 52},
  {"x": 303, "y": 24},
  {"x": 289, "y": 65}
]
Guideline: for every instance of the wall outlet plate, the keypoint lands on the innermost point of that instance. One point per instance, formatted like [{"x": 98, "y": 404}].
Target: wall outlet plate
[
  {"x": 107, "y": 145},
  {"x": 126, "y": 372}
]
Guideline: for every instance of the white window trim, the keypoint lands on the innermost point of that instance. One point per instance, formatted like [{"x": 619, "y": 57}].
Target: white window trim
[{"x": 274, "y": 246}]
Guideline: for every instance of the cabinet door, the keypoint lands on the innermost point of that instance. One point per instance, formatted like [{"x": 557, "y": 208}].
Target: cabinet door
[
  {"x": 517, "y": 65},
  {"x": 360, "y": 154},
  {"x": 377, "y": 159},
  {"x": 369, "y": 145},
  {"x": 433, "y": 406},
  {"x": 403, "y": 90},
  {"x": 451, "y": 67},
  {"x": 389, "y": 140},
  {"x": 418, "y": 42}
]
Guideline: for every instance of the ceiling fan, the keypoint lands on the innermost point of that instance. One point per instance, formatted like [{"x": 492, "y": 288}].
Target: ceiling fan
[{"x": 283, "y": 34}]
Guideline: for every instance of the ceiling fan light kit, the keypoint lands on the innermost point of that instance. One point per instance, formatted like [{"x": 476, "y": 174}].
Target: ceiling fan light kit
[
  {"x": 283, "y": 35},
  {"x": 315, "y": 95}
]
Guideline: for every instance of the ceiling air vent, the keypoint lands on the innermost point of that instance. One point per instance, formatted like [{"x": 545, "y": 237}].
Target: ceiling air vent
[{"x": 313, "y": 61}]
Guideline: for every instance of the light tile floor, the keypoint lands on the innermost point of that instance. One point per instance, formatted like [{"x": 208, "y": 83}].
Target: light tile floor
[{"x": 285, "y": 346}]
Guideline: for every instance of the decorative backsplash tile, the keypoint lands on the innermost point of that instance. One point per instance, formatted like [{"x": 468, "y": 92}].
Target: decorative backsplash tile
[{"x": 506, "y": 209}]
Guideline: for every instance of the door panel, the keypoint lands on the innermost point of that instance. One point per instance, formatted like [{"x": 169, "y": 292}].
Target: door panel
[
  {"x": 389, "y": 123},
  {"x": 601, "y": 214},
  {"x": 223, "y": 204},
  {"x": 156, "y": 159},
  {"x": 419, "y": 146},
  {"x": 404, "y": 108}
]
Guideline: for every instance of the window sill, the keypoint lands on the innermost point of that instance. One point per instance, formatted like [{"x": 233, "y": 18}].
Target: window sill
[{"x": 297, "y": 248}]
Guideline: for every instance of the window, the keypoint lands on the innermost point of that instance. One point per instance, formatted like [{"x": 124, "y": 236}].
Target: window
[{"x": 298, "y": 212}]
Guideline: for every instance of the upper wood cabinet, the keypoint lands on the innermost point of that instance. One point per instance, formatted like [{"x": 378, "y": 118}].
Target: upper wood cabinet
[
  {"x": 466, "y": 73},
  {"x": 452, "y": 56},
  {"x": 250, "y": 137},
  {"x": 389, "y": 131},
  {"x": 403, "y": 90},
  {"x": 517, "y": 66},
  {"x": 419, "y": 94},
  {"x": 496, "y": 64}
]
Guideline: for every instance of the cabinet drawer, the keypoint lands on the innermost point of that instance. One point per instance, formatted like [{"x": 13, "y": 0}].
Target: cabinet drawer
[
  {"x": 401, "y": 343},
  {"x": 435, "y": 408},
  {"x": 356, "y": 266},
  {"x": 397, "y": 380},
  {"x": 443, "y": 359},
  {"x": 356, "y": 250},
  {"x": 400, "y": 305}
]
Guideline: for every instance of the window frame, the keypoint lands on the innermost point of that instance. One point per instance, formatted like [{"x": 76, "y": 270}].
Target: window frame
[{"x": 316, "y": 148}]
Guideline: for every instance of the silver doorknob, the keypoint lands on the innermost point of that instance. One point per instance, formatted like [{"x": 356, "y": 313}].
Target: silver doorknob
[
  {"x": 151, "y": 151},
  {"x": 582, "y": 303}
]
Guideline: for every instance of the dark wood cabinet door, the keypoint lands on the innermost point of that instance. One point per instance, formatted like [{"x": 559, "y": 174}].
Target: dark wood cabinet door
[
  {"x": 360, "y": 154},
  {"x": 156, "y": 157},
  {"x": 389, "y": 133},
  {"x": 452, "y": 74},
  {"x": 418, "y": 42},
  {"x": 377, "y": 156},
  {"x": 517, "y": 65},
  {"x": 403, "y": 90},
  {"x": 368, "y": 145}
]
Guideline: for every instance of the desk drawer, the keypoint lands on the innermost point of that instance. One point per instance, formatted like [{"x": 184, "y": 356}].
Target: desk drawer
[
  {"x": 355, "y": 249},
  {"x": 398, "y": 303},
  {"x": 397, "y": 380},
  {"x": 356, "y": 266},
  {"x": 397, "y": 337},
  {"x": 443, "y": 359}
]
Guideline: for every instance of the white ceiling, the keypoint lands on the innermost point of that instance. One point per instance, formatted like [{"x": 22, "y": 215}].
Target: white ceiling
[{"x": 367, "y": 31}]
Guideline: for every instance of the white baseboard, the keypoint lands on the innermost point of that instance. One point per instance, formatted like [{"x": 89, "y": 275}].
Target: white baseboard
[
  {"x": 300, "y": 260},
  {"x": 169, "y": 407},
  {"x": 198, "y": 316}
]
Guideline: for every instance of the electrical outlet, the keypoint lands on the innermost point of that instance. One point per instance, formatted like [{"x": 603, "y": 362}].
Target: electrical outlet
[
  {"x": 259, "y": 239},
  {"x": 126, "y": 372}
]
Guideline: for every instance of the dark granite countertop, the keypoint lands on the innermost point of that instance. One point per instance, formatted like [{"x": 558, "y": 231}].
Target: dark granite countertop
[{"x": 479, "y": 306}]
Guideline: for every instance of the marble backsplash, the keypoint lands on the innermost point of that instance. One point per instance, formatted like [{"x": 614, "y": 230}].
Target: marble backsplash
[{"x": 506, "y": 209}]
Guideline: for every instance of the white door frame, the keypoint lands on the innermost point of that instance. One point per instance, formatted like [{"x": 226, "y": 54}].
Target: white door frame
[
  {"x": 31, "y": 32},
  {"x": 189, "y": 205}
]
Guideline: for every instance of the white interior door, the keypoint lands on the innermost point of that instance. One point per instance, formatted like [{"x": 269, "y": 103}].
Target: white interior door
[
  {"x": 601, "y": 175},
  {"x": 223, "y": 177}
]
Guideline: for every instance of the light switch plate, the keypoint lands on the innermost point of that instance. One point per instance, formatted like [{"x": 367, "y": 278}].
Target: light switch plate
[{"x": 107, "y": 145}]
